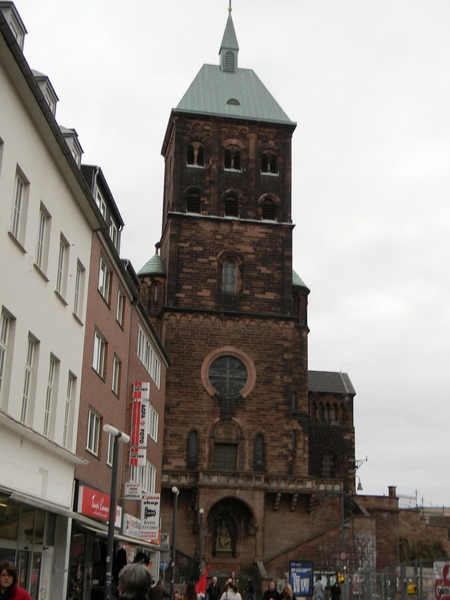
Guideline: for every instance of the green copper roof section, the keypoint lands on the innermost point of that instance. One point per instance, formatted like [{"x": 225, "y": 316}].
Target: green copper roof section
[
  {"x": 155, "y": 266},
  {"x": 297, "y": 281},
  {"x": 227, "y": 91},
  {"x": 213, "y": 89}
]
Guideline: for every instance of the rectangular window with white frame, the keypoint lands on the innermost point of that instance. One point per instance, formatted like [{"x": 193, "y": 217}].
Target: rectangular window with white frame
[
  {"x": 110, "y": 457},
  {"x": 19, "y": 208},
  {"x": 101, "y": 203},
  {"x": 68, "y": 410},
  {"x": 79, "y": 291},
  {"x": 152, "y": 422},
  {"x": 120, "y": 312},
  {"x": 148, "y": 357},
  {"x": 50, "y": 397},
  {"x": 6, "y": 327},
  {"x": 104, "y": 280},
  {"x": 43, "y": 240},
  {"x": 145, "y": 475},
  {"x": 93, "y": 432},
  {"x": 99, "y": 354},
  {"x": 116, "y": 375},
  {"x": 63, "y": 266},
  {"x": 29, "y": 383}
]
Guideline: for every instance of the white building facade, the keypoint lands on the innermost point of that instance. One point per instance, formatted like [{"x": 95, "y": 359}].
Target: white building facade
[{"x": 47, "y": 216}]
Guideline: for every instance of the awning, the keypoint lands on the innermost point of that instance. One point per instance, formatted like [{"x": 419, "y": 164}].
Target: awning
[
  {"x": 102, "y": 531},
  {"x": 98, "y": 528}
]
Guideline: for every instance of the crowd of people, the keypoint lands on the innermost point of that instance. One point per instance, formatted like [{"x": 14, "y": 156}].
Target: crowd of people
[{"x": 134, "y": 582}]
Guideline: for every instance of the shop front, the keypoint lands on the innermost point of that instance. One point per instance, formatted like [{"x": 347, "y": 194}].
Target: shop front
[
  {"x": 87, "y": 560},
  {"x": 33, "y": 537}
]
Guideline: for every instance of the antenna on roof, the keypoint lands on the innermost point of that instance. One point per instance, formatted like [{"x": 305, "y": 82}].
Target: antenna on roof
[{"x": 229, "y": 6}]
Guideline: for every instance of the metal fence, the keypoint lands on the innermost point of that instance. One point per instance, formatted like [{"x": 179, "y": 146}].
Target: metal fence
[{"x": 420, "y": 580}]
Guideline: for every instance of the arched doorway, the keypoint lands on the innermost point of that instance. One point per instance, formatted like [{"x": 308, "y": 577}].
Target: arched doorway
[{"x": 231, "y": 531}]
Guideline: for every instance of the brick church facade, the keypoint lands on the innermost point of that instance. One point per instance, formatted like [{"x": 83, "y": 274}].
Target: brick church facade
[{"x": 263, "y": 446}]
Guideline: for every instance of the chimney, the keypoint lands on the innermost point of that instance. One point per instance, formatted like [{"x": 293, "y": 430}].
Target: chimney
[{"x": 392, "y": 491}]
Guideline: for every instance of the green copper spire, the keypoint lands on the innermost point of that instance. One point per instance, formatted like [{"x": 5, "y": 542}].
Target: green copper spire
[{"x": 229, "y": 47}]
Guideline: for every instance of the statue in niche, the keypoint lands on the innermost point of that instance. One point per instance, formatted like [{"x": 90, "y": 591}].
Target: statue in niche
[{"x": 223, "y": 538}]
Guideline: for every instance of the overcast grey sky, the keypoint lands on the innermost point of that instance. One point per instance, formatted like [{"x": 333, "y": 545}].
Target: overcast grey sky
[{"x": 368, "y": 83}]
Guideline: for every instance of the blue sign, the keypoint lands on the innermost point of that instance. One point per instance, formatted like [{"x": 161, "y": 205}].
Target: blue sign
[{"x": 301, "y": 577}]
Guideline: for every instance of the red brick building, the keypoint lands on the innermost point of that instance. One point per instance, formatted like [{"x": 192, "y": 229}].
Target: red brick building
[
  {"x": 121, "y": 347},
  {"x": 265, "y": 448}
]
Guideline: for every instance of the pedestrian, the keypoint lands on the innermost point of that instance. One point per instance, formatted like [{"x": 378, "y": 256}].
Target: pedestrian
[
  {"x": 134, "y": 582},
  {"x": 142, "y": 559},
  {"x": 250, "y": 589},
  {"x": 271, "y": 592},
  {"x": 9, "y": 588},
  {"x": 213, "y": 590},
  {"x": 335, "y": 591},
  {"x": 158, "y": 592},
  {"x": 231, "y": 592},
  {"x": 287, "y": 593},
  {"x": 190, "y": 593},
  {"x": 319, "y": 589}
]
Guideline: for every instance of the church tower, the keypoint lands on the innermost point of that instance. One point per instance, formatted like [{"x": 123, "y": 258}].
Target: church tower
[{"x": 232, "y": 314}]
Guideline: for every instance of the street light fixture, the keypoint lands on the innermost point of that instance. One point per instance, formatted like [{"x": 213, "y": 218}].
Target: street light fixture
[
  {"x": 175, "y": 492},
  {"x": 112, "y": 503}
]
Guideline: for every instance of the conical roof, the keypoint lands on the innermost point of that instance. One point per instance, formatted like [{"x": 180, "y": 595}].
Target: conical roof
[{"x": 155, "y": 266}]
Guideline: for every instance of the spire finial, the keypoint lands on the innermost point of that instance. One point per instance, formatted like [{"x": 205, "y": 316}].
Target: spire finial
[{"x": 229, "y": 6}]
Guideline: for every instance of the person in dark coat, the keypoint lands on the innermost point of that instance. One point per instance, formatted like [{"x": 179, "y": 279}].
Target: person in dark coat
[
  {"x": 335, "y": 591},
  {"x": 158, "y": 592},
  {"x": 250, "y": 589},
  {"x": 134, "y": 582},
  {"x": 271, "y": 593},
  {"x": 213, "y": 590}
]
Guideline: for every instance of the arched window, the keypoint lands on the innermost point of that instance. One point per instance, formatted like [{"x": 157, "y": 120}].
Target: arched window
[
  {"x": 192, "y": 450},
  {"x": 259, "y": 452},
  {"x": 231, "y": 206},
  {"x": 314, "y": 411},
  {"x": 268, "y": 209},
  {"x": 196, "y": 154},
  {"x": 229, "y": 277},
  {"x": 268, "y": 162},
  {"x": 232, "y": 159},
  {"x": 193, "y": 202},
  {"x": 328, "y": 465}
]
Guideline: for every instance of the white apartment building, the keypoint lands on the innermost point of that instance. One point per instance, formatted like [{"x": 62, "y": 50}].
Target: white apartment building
[{"x": 47, "y": 216}]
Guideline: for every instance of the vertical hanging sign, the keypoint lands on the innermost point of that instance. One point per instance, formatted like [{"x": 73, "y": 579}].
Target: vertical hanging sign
[{"x": 141, "y": 395}]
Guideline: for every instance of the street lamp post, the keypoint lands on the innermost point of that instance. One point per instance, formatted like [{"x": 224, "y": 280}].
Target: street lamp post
[
  {"x": 175, "y": 491},
  {"x": 112, "y": 503},
  {"x": 200, "y": 542}
]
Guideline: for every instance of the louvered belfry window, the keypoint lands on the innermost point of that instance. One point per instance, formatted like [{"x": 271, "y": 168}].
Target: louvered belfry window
[
  {"x": 229, "y": 61},
  {"x": 269, "y": 210},
  {"x": 231, "y": 206}
]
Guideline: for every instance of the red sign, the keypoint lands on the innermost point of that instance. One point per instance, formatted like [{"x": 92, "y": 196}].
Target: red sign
[{"x": 94, "y": 504}]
